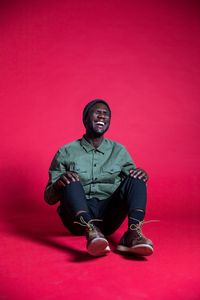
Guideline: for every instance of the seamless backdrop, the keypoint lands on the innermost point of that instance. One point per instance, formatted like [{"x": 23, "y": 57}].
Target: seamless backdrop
[{"x": 143, "y": 58}]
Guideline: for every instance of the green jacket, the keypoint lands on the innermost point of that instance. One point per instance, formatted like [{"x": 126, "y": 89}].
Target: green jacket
[{"x": 100, "y": 170}]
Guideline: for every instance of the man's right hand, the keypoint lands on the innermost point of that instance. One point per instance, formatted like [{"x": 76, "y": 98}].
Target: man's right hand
[{"x": 65, "y": 179}]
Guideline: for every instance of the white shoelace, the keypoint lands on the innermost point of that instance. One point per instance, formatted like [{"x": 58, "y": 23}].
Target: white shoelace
[
  {"x": 137, "y": 227},
  {"x": 87, "y": 224}
]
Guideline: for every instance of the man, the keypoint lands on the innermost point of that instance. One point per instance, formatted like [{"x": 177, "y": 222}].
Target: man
[{"x": 98, "y": 185}]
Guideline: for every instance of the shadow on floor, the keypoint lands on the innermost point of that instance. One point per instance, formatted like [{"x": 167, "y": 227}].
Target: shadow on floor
[{"x": 23, "y": 216}]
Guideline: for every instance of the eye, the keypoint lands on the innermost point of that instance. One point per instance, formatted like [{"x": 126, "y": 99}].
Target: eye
[{"x": 105, "y": 112}]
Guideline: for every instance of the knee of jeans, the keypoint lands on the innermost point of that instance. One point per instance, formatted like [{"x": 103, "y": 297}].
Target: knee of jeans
[
  {"x": 73, "y": 185},
  {"x": 137, "y": 181}
]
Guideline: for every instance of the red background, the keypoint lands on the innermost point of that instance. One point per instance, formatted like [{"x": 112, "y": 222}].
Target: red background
[{"x": 140, "y": 56}]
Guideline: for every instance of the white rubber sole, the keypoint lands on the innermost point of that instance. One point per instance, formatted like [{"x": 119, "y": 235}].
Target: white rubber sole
[
  {"x": 142, "y": 250},
  {"x": 98, "y": 247}
]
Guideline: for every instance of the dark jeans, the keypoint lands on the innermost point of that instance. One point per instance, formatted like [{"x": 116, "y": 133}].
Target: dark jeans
[{"x": 128, "y": 197}]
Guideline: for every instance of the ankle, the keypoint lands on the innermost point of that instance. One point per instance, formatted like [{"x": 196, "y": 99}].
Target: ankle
[
  {"x": 83, "y": 216},
  {"x": 136, "y": 217}
]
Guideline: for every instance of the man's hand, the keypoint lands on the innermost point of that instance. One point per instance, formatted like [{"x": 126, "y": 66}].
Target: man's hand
[
  {"x": 65, "y": 179},
  {"x": 139, "y": 173}
]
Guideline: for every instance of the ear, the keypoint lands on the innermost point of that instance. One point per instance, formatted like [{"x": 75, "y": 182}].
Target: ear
[{"x": 85, "y": 121}]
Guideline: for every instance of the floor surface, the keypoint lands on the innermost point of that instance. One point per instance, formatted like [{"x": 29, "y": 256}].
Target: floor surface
[{"x": 40, "y": 260}]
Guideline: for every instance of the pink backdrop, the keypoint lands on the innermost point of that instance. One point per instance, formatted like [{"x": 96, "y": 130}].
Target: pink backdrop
[{"x": 143, "y": 57}]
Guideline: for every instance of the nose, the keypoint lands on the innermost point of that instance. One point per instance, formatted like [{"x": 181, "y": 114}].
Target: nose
[{"x": 102, "y": 115}]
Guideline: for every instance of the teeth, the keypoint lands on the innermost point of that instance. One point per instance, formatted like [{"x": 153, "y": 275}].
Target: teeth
[{"x": 100, "y": 123}]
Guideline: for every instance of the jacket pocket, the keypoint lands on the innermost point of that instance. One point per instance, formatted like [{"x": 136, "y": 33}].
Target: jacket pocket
[
  {"x": 112, "y": 169},
  {"x": 109, "y": 174},
  {"x": 81, "y": 171}
]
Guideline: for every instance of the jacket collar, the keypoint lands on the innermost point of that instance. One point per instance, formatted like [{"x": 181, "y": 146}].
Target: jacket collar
[{"x": 88, "y": 147}]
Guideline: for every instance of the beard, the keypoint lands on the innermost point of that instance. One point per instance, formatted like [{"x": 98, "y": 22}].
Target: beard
[{"x": 94, "y": 132}]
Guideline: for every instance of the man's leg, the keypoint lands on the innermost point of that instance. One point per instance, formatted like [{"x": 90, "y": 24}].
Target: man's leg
[
  {"x": 78, "y": 218},
  {"x": 133, "y": 240},
  {"x": 129, "y": 199}
]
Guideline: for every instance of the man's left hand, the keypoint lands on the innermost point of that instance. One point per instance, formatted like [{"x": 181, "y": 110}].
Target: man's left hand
[{"x": 139, "y": 173}]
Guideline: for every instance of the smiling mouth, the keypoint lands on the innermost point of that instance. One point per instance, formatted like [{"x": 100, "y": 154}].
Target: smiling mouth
[{"x": 100, "y": 124}]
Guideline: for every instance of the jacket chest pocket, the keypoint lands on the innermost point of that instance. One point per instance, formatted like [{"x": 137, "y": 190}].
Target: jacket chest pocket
[
  {"x": 109, "y": 174},
  {"x": 81, "y": 171}
]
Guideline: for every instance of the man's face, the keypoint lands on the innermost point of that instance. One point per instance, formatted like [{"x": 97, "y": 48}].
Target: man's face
[{"x": 98, "y": 119}]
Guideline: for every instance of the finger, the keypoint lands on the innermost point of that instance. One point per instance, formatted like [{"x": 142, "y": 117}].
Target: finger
[
  {"x": 58, "y": 184},
  {"x": 137, "y": 174},
  {"x": 76, "y": 176},
  {"x": 142, "y": 176},
  {"x": 133, "y": 172},
  {"x": 65, "y": 180},
  {"x": 69, "y": 176},
  {"x": 61, "y": 184}
]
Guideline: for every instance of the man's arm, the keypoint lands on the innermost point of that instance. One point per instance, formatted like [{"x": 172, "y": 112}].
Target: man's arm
[
  {"x": 59, "y": 177},
  {"x": 57, "y": 168},
  {"x": 52, "y": 191}
]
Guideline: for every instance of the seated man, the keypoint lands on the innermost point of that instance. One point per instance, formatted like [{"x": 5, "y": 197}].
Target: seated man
[{"x": 98, "y": 185}]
